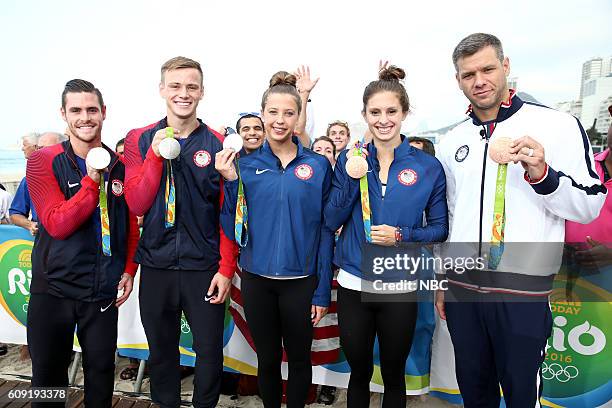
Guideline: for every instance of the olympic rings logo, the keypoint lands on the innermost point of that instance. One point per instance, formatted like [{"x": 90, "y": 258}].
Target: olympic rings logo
[
  {"x": 185, "y": 326},
  {"x": 562, "y": 374}
]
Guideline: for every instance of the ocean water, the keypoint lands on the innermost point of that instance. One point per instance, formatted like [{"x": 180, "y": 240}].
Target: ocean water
[{"x": 12, "y": 162}]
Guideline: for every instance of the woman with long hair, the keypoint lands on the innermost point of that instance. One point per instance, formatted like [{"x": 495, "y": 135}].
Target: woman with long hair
[
  {"x": 273, "y": 208},
  {"x": 379, "y": 193}
]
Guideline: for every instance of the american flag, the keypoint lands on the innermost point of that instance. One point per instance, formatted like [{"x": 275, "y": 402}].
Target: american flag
[{"x": 325, "y": 340}]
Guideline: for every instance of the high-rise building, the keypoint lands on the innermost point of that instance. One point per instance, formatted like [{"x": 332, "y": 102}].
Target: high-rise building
[
  {"x": 574, "y": 108},
  {"x": 513, "y": 83},
  {"x": 596, "y": 91},
  {"x": 603, "y": 117},
  {"x": 594, "y": 68}
]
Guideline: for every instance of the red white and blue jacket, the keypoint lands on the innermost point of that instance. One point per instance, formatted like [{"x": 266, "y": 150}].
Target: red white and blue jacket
[
  {"x": 67, "y": 259},
  {"x": 535, "y": 211},
  {"x": 196, "y": 241}
]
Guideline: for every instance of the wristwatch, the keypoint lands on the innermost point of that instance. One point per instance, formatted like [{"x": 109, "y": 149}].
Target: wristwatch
[{"x": 398, "y": 235}]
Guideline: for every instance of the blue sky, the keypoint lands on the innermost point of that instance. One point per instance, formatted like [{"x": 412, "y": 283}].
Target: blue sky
[{"x": 120, "y": 45}]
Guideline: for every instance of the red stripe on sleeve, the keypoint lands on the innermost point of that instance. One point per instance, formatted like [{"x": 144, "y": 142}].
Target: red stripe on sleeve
[
  {"x": 60, "y": 217},
  {"x": 217, "y": 134},
  {"x": 142, "y": 177},
  {"x": 227, "y": 248},
  {"x": 132, "y": 244}
]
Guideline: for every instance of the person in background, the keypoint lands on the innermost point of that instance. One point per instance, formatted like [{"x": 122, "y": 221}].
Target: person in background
[
  {"x": 251, "y": 128},
  {"x": 305, "y": 125},
  {"x": 422, "y": 143},
  {"x": 5, "y": 203},
  {"x": 427, "y": 146},
  {"x": 120, "y": 147},
  {"x": 338, "y": 131},
  {"x": 21, "y": 207},
  {"x": 594, "y": 240},
  {"x": 325, "y": 146},
  {"x": 29, "y": 144},
  {"x": 21, "y": 211}
]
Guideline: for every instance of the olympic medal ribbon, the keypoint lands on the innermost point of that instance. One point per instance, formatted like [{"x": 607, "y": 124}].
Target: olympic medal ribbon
[
  {"x": 242, "y": 213},
  {"x": 170, "y": 194},
  {"x": 499, "y": 218},
  {"x": 366, "y": 211},
  {"x": 104, "y": 224}
]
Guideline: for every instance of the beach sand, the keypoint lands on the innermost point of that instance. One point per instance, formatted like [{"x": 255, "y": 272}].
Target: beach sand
[{"x": 11, "y": 367}]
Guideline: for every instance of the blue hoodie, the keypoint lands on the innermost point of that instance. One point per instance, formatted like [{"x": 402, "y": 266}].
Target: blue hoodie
[
  {"x": 286, "y": 232},
  {"x": 416, "y": 183}
]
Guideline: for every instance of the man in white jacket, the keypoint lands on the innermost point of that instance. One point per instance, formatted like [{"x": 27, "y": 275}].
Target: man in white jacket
[{"x": 498, "y": 316}]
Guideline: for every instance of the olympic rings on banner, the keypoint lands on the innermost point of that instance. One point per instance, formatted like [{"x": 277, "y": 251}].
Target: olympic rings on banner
[{"x": 562, "y": 374}]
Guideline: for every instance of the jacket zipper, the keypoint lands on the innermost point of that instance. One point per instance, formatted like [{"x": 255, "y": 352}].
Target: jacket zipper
[
  {"x": 96, "y": 288},
  {"x": 482, "y": 184},
  {"x": 283, "y": 171},
  {"x": 280, "y": 218},
  {"x": 177, "y": 241}
]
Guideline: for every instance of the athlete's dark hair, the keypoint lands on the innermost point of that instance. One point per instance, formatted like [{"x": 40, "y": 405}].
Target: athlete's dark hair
[
  {"x": 388, "y": 81},
  {"x": 78, "y": 86},
  {"x": 323, "y": 139},
  {"x": 428, "y": 146},
  {"x": 121, "y": 142},
  {"x": 282, "y": 83},
  {"x": 248, "y": 115},
  {"x": 473, "y": 43}
]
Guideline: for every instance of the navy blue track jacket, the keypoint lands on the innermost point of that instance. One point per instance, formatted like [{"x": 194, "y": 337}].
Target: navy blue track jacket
[
  {"x": 416, "y": 183},
  {"x": 286, "y": 232}
]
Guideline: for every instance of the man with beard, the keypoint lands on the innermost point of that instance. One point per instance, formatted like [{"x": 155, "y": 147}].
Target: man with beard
[
  {"x": 81, "y": 260},
  {"x": 498, "y": 316}
]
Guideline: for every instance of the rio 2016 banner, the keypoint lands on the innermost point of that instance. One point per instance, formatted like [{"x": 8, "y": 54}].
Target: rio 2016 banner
[
  {"x": 15, "y": 277},
  {"x": 577, "y": 366},
  {"x": 576, "y": 370}
]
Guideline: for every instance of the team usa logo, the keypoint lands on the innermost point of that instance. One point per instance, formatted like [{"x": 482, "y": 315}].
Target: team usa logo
[
  {"x": 303, "y": 172},
  {"x": 407, "y": 177},
  {"x": 462, "y": 153},
  {"x": 117, "y": 187},
  {"x": 201, "y": 158}
]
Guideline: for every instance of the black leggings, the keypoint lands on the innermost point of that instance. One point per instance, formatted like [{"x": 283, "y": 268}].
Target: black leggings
[
  {"x": 278, "y": 313},
  {"x": 360, "y": 321},
  {"x": 163, "y": 294},
  {"x": 51, "y": 326}
]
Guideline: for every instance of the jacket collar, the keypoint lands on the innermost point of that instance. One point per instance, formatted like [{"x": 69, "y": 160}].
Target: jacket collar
[
  {"x": 507, "y": 108},
  {"x": 164, "y": 124},
  {"x": 268, "y": 150},
  {"x": 403, "y": 149}
]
